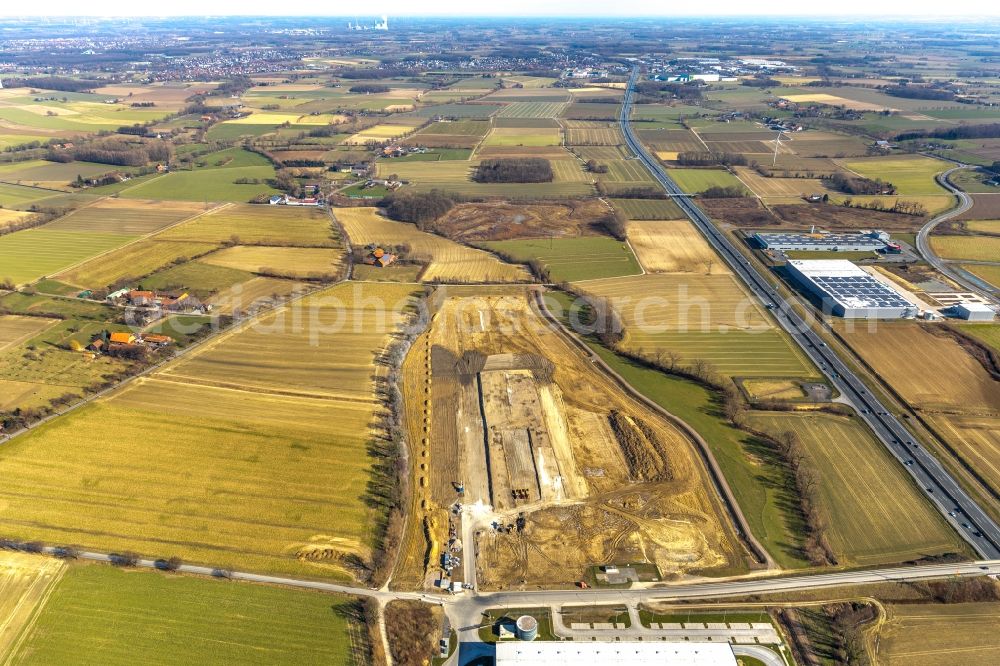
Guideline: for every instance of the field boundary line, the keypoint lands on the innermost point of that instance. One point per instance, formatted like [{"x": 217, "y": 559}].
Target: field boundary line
[
  {"x": 131, "y": 242},
  {"x": 26, "y": 630},
  {"x": 724, "y": 492}
]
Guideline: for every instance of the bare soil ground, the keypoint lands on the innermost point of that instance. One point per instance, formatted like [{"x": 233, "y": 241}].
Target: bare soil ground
[
  {"x": 508, "y": 221},
  {"x": 603, "y": 511}
]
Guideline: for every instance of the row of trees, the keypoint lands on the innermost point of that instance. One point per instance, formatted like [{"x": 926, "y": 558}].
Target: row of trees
[
  {"x": 984, "y": 131},
  {"x": 899, "y": 206},
  {"x": 817, "y": 545},
  {"x": 115, "y": 152}
]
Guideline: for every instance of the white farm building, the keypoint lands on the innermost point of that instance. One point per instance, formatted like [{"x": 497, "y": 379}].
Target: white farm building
[
  {"x": 607, "y": 653},
  {"x": 848, "y": 291},
  {"x": 974, "y": 311}
]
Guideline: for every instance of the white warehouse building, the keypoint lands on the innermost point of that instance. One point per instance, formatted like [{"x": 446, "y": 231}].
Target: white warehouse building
[
  {"x": 608, "y": 653},
  {"x": 974, "y": 311},
  {"x": 848, "y": 291}
]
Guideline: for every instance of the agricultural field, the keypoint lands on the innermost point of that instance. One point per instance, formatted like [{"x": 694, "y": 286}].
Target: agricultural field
[
  {"x": 673, "y": 517},
  {"x": 648, "y": 209},
  {"x": 976, "y": 248},
  {"x": 705, "y": 318},
  {"x": 447, "y": 261},
  {"x": 26, "y": 582},
  {"x": 213, "y": 179},
  {"x": 989, "y": 273},
  {"x": 625, "y": 173},
  {"x": 257, "y": 224},
  {"x": 673, "y": 246},
  {"x": 378, "y": 134},
  {"x": 864, "y": 491},
  {"x": 572, "y": 259},
  {"x": 130, "y": 616},
  {"x": 196, "y": 278},
  {"x": 455, "y": 176},
  {"x": 15, "y": 329},
  {"x": 594, "y": 136},
  {"x": 911, "y": 174},
  {"x": 947, "y": 377},
  {"x": 940, "y": 634},
  {"x": 134, "y": 260},
  {"x": 290, "y": 406},
  {"x": 984, "y": 207},
  {"x": 523, "y": 136},
  {"x": 699, "y": 180},
  {"x": 28, "y": 255},
  {"x": 532, "y": 110},
  {"x": 22, "y": 196},
  {"x": 84, "y": 114},
  {"x": 779, "y": 188},
  {"x": 284, "y": 261},
  {"x": 127, "y": 216},
  {"x": 835, "y": 100}
]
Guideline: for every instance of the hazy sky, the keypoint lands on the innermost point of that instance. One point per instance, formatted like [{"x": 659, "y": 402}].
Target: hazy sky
[{"x": 909, "y": 8}]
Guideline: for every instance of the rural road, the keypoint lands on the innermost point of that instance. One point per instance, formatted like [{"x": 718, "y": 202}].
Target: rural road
[
  {"x": 960, "y": 276},
  {"x": 944, "y": 492}
]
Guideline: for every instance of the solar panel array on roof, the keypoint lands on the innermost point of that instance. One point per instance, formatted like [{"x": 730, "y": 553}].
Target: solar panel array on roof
[{"x": 860, "y": 291}]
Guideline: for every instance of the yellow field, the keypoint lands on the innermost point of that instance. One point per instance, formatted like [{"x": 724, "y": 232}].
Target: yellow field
[
  {"x": 977, "y": 248},
  {"x": 773, "y": 389},
  {"x": 290, "y": 261},
  {"x": 989, "y": 226},
  {"x": 8, "y": 217},
  {"x": 278, "y": 118},
  {"x": 778, "y": 187},
  {"x": 261, "y": 456},
  {"x": 15, "y": 329},
  {"x": 134, "y": 260},
  {"x": 863, "y": 492},
  {"x": 378, "y": 133},
  {"x": 274, "y": 225},
  {"x": 833, "y": 100},
  {"x": 25, "y": 581},
  {"x": 255, "y": 291},
  {"x": 673, "y": 246},
  {"x": 944, "y": 378},
  {"x": 941, "y": 635},
  {"x": 667, "y": 155},
  {"x": 447, "y": 260},
  {"x": 976, "y": 439}
]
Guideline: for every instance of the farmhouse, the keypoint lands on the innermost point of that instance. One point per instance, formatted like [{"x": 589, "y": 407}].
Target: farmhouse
[
  {"x": 847, "y": 291},
  {"x": 379, "y": 257},
  {"x": 140, "y": 298},
  {"x": 658, "y": 653}
]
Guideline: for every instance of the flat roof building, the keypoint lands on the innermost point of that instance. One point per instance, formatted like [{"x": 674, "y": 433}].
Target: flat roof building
[
  {"x": 848, "y": 291},
  {"x": 801, "y": 241},
  {"x": 614, "y": 653},
  {"x": 974, "y": 311}
]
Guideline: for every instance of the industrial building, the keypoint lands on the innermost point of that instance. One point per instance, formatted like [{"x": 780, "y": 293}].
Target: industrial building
[
  {"x": 872, "y": 241},
  {"x": 848, "y": 291},
  {"x": 973, "y": 311},
  {"x": 614, "y": 653}
]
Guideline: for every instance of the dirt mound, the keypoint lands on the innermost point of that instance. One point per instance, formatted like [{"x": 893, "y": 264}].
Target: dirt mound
[
  {"x": 641, "y": 447},
  {"x": 505, "y": 221}
]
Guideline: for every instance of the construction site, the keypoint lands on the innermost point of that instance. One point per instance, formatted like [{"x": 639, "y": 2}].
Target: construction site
[{"x": 530, "y": 456}]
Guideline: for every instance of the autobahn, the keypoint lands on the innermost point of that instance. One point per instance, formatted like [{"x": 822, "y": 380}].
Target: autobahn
[
  {"x": 944, "y": 492},
  {"x": 924, "y": 243}
]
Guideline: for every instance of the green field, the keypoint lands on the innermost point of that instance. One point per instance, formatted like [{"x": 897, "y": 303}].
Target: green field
[
  {"x": 648, "y": 209},
  {"x": 132, "y": 261},
  {"x": 523, "y": 136},
  {"x": 532, "y": 110},
  {"x": 128, "y": 617},
  {"x": 699, "y": 180},
  {"x": 571, "y": 259},
  {"x": 705, "y": 318},
  {"x": 20, "y": 196},
  {"x": 864, "y": 492},
  {"x": 28, "y": 255},
  {"x": 988, "y": 333},
  {"x": 911, "y": 174},
  {"x": 195, "y": 277},
  {"x": 205, "y": 185}
]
